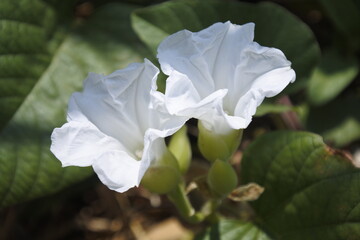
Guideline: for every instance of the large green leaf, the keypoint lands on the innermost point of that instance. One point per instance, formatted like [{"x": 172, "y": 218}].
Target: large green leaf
[
  {"x": 345, "y": 14},
  {"x": 27, "y": 167},
  {"x": 333, "y": 75},
  {"x": 25, "y": 50},
  {"x": 275, "y": 27},
  {"x": 337, "y": 121},
  {"x": 227, "y": 229},
  {"x": 311, "y": 191}
]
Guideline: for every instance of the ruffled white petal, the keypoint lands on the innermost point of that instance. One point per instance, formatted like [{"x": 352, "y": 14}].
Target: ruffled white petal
[
  {"x": 205, "y": 55},
  {"x": 80, "y": 143},
  {"x": 117, "y": 104},
  {"x": 117, "y": 170},
  {"x": 220, "y": 76},
  {"x": 112, "y": 127},
  {"x": 182, "y": 97},
  {"x": 267, "y": 85},
  {"x": 154, "y": 147}
]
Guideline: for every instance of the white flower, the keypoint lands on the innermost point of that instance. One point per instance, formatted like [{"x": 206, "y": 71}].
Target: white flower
[
  {"x": 111, "y": 127},
  {"x": 220, "y": 76}
]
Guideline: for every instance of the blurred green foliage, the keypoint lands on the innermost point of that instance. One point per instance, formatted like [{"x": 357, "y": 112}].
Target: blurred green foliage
[{"x": 232, "y": 230}]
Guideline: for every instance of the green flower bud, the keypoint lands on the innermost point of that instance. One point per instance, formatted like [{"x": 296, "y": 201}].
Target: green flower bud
[
  {"x": 218, "y": 146},
  {"x": 180, "y": 147},
  {"x": 163, "y": 175},
  {"x": 222, "y": 178}
]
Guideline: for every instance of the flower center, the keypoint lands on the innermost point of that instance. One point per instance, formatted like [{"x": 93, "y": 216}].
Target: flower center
[{"x": 139, "y": 153}]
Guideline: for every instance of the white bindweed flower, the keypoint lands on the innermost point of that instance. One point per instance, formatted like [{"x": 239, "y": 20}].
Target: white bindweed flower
[
  {"x": 220, "y": 76},
  {"x": 111, "y": 127}
]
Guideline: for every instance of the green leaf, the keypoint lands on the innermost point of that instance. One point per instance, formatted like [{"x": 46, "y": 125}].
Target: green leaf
[
  {"x": 275, "y": 27},
  {"x": 25, "y": 40},
  {"x": 27, "y": 167},
  {"x": 266, "y": 108},
  {"x": 333, "y": 75},
  {"x": 232, "y": 230},
  {"x": 311, "y": 191},
  {"x": 345, "y": 15},
  {"x": 338, "y": 121}
]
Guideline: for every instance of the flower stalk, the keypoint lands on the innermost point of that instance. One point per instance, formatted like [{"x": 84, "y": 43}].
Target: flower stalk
[{"x": 179, "y": 198}]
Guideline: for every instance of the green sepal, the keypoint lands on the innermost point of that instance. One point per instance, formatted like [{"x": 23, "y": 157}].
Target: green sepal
[
  {"x": 163, "y": 175},
  {"x": 222, "y": 178},
  {"x": 180, "y": 147},
  {"x": 218, "y": 146}
]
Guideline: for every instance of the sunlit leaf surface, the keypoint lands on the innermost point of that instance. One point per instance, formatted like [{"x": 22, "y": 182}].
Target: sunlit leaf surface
[
  {"x": 27, "y": 167},
  {"x": 311, "y": 191}
]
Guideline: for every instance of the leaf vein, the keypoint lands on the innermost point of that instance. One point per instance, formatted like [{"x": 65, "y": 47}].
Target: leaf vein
[{"x": 288, "y": 200}]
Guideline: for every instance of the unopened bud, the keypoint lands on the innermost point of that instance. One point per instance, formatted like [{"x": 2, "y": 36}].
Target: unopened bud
[
  {"x": 162, "y": 176},
  {"x": 180, "y": 147},
  {"x": 222, "y": 178}
]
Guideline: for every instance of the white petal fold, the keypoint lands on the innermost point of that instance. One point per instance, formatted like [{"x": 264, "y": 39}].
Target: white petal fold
[
  {"x": 117, "y": 170},
  {"x": 219, "y": 75},
  {"x": 112, "y": 127},
  {"x": 80, "y": 143}
]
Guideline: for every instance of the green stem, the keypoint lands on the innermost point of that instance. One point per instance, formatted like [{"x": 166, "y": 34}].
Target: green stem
[
  {"x": 209, "y": 210},
  {"x": 179, "y": 198},
  {"x": 213, "y": 217}
]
